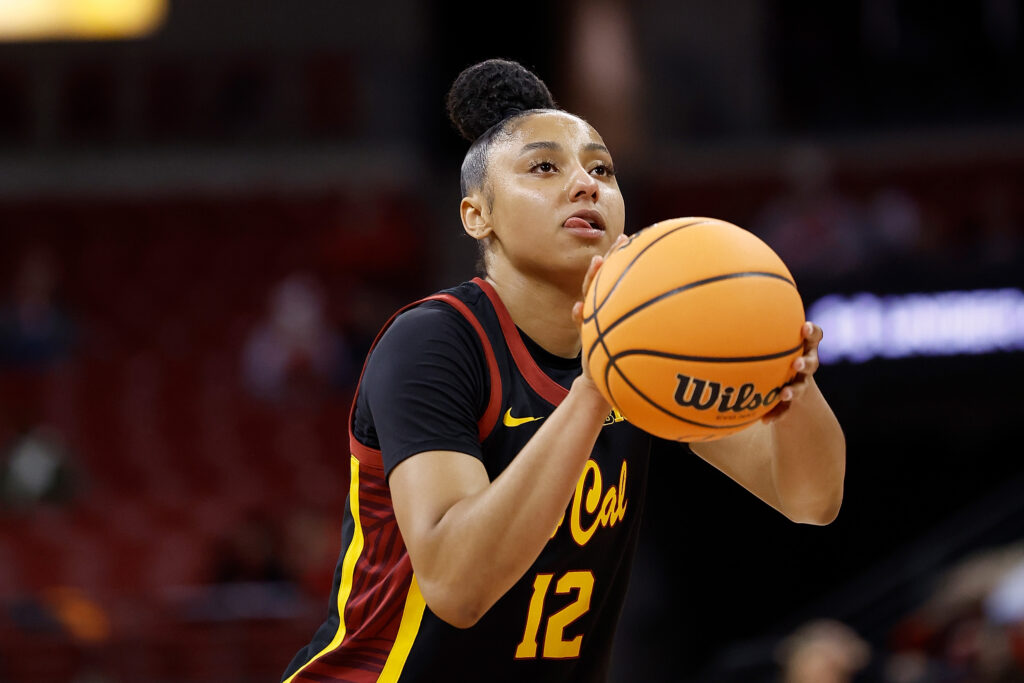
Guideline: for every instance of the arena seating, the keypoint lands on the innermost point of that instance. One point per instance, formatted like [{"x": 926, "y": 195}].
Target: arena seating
[{"x": 168, "y": 451}]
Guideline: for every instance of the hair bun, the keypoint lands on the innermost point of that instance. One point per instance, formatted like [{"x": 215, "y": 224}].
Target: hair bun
[{"x": 491, "y": 91}]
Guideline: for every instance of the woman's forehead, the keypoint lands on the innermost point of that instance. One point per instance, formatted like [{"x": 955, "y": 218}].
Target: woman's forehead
[{"x": 559, "y": 127}]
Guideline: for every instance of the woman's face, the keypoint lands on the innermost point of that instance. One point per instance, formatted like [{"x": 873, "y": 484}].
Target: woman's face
[{"x": 555, "y": 200}]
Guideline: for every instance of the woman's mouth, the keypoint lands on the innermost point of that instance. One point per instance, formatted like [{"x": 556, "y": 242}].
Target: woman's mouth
[
  {"x": 585, "y": 224},
  {"x": 581, "y": 224}
]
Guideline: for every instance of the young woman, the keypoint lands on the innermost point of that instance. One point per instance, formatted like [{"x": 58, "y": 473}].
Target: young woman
[{"x": 495, "y": 497}]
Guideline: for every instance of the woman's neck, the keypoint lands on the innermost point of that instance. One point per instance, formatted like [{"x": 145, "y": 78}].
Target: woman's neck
[{"x": 539, "y": 307}]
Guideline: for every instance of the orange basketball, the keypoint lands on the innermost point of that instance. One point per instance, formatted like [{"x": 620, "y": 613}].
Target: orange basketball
[{"x": 691, "y": 327}]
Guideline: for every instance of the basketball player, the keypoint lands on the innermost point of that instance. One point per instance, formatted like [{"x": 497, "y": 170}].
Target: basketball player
[{"x": 495, "y": 496}]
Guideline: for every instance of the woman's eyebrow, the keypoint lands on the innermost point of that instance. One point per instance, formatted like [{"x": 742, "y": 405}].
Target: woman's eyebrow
[
  {"x": 543, "y": 144},
  {"x": 555, "y": 147}
]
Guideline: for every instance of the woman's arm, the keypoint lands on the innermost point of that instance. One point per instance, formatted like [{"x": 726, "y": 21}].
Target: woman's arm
[
  {"x": 794, "y": 459},
  {"x": 470, "y": 539}
]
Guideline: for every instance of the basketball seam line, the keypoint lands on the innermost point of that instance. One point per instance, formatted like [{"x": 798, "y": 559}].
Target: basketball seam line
[
  {"x": 672, "y": 292},
  {"x": 598, "y": 307},
  {"x": 706, "y": 359},
  {"x": 600, "y": 340}
]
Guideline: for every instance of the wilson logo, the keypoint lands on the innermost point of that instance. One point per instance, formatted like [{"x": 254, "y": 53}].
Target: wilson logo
[{"x": 703, "y": 394}]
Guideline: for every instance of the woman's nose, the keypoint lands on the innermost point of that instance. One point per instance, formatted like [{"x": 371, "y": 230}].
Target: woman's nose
[{"x": 582, "y": 185}]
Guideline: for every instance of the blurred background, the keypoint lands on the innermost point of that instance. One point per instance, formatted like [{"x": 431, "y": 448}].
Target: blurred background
[{"x": 208, "y": 208}]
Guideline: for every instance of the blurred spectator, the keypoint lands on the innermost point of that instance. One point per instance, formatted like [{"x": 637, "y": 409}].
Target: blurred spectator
[
  {"x": 970, "y": 627},
  {"x": 1004, "y": 606},
  {"x": 247, "y": 577},
  {"x": 294, "y": 353},
  {"x": 250, "y": 553},
  {"x": 823, "y": 651},
  {"x": 1005, "y": 602},
  {"x": 814, "y": 227},
  {"x": 35, "y": 469},
  {"x": 80, "y": 615},
  {"x": 34, "y": 329}
]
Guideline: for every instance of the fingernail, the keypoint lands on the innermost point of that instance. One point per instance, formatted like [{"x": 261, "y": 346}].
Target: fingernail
[
  {"x": 787, "y": 394},
  {"x": 799, "y": 364},
  {"x": 808, "y": 328}
]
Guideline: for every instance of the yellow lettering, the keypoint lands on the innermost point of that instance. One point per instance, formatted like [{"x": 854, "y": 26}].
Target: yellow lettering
[
  {"x": 558, "y": 526},
  {"x": 527, "y": 648},
  {"x": 580, "y": 534},
  {"x": 613, "y": 417},
  {"x": 621, "y": 512},
  {"x": 608, "y": 508},
  {"x": 587, "y": 499},
  {"x": 555, "y": 644}
]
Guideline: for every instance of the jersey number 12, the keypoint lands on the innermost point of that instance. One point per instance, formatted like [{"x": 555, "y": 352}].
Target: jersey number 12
[{"x": 555, "y": 645}]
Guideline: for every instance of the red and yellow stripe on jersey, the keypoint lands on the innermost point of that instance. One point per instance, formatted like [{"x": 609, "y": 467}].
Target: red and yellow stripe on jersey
[
  {"x": 377, "y": 592},
  {"x": 375, "y": 589}
]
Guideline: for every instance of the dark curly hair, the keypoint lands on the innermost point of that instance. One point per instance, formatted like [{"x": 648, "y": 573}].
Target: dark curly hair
[{"x": 483, "y": 101}]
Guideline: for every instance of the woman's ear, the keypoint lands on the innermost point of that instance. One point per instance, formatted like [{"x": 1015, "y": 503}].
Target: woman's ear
[{"x": 476, "y": 219}]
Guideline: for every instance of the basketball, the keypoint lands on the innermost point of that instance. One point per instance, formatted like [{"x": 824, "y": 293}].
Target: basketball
[{"x": 691, "y": 327}]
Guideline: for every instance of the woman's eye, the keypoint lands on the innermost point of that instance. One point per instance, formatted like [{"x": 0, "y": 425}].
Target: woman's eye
[
  {"x": 544, "y": 167},
  {"x": 602, "y": 170}
]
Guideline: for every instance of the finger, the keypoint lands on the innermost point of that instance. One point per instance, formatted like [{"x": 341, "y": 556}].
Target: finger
[
  {"x": 812, "y": 333},
  {"x": 595, "y": 264},
  {"x": 796, "y": 390},
  {"x": 775, "y": 413},
  {"x": 619, "y": 241},
  {"x": 797, "y": 380},
  {"x": 786, "y": 397},
  {"x": 577, "y": 313},
  {"x": 806, "y": 365},
  {"x": 811, "y": 362}
]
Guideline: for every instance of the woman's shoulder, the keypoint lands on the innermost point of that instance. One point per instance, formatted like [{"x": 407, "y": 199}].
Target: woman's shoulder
[
  {"x": 428, "y": 325},
  {"x": 445, "y": 310},
  {"x": 430, "y": 344}
]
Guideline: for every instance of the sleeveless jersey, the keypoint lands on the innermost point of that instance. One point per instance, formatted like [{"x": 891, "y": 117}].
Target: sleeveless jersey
[{"x": 558, "y": 621}]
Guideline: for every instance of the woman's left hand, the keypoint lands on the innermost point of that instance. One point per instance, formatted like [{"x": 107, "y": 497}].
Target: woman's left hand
[{"x": 806, "y": 365}]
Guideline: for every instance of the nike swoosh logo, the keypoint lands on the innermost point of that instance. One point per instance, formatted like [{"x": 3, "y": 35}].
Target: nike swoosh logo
[{"x": 510, "y": 421}]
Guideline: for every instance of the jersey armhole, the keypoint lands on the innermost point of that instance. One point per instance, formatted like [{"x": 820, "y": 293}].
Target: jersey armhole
[
  {"x": 371, "y": 457},
  {"x": 485, "y": 425}
]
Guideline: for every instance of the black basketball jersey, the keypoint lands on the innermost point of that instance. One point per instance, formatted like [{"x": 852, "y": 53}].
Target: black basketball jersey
[{"x": 558, "y": 621}]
